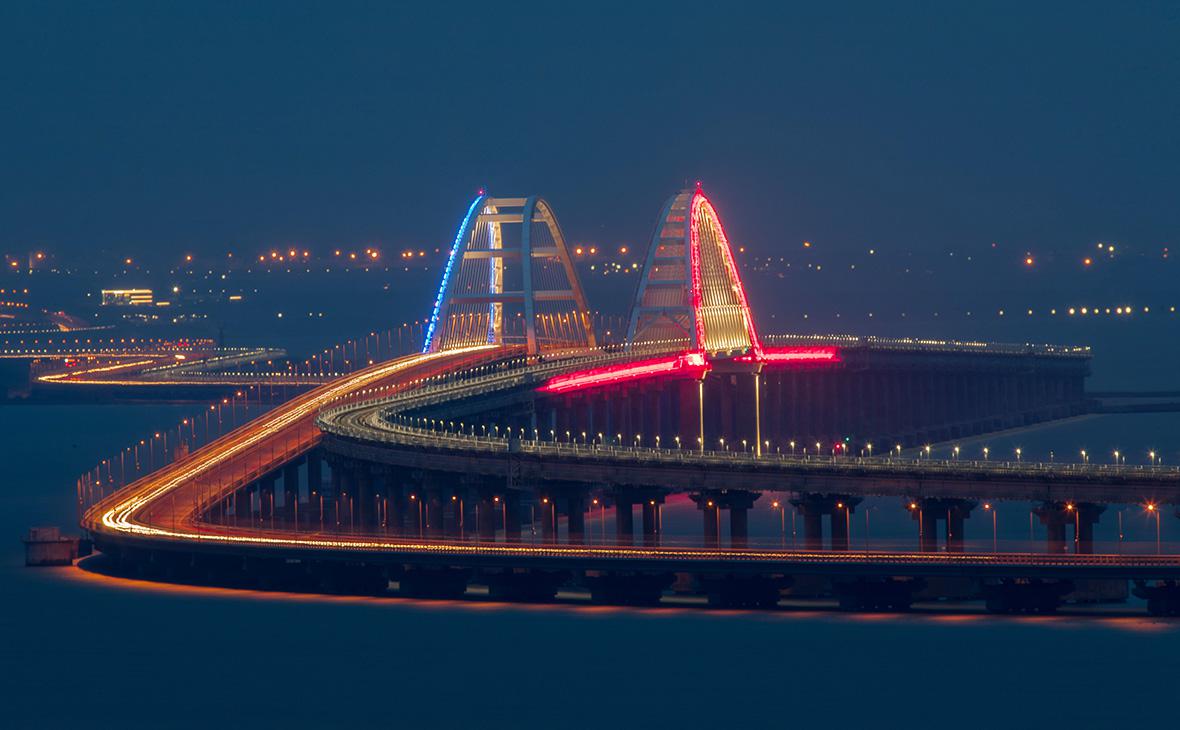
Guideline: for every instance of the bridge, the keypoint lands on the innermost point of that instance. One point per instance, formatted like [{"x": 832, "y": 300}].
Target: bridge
[{"x": 511, "y": 406}]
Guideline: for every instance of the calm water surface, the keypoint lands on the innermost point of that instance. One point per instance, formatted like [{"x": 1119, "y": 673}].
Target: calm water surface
[{"x": 77, "y": 648}]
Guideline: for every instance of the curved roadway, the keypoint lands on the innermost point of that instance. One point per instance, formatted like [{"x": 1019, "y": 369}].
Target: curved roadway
[{"x": 161, "y": 510}]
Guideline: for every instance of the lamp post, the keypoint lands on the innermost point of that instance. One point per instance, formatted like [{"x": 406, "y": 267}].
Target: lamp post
[
  {"x": 1152, "y": 508},
  {"x": 987, "y": 506}
]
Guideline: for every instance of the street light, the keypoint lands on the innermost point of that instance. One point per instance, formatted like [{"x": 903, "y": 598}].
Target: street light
[
  {"x": 986, "y": 451},
  {"x": 1018, "y": 453},
  {"x": 956, "y": 450},
  {"x": 1155, "y": 511},
  {"x": 1085, "y": 457},
  {"x": 1077, "y": 525},
  {"x": 987, "y": 506},
  {"x": 1151, "y": 455}
]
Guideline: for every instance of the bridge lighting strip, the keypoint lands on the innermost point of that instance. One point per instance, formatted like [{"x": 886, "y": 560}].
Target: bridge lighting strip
[
  {"x": 442, "y": 288},
  {"x": 694, "y": 260},
  {"x": 121, "y": 517},
  {"x": 699, "y": 201},
  {"x": 774, "y": 355},
  {"x": 692, "y": 363},
  {"x": 72, "y": 375}
]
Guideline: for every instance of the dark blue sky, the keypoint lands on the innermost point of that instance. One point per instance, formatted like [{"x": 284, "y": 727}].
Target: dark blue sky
[{"x": 194, "y": 125}]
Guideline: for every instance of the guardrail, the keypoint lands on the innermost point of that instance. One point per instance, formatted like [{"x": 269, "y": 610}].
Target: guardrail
[
  {"x": 930, "y": 345},
  {"x": 384, "y": 420}
]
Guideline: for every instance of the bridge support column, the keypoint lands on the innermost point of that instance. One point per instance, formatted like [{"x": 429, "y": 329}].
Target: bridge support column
[
  {"x": 395, "y": 514},
  {"x": 839, "y": 509},
  {"x": 451, "y": 514},
  {"x": 547, "y": 514},
  {"x": 266, "y": 497},
  {"x": 576, "y": 519},
  {"x": 1058, "y": 517},
  {"x": 363, "y": 503},
  {"x": 337, "y": 494},
  {"x": 511, "y": 508},
  {"x": 651, "y": 521},
  {"x": 624, "y": 520},
  {"x": 1053, "y": 516},
  {"x": 1087, "y": 517},
  {"x": 813, "y": 526},
  {"x": 290, "y": 489},
  {"x": 953, "y": 512},
  {"x": 432, "y": 511},
  {"x": 927, "y": 516},
  {"x": 243, "y": 499},
  {"x": 315, "y": 473},
  {"x": 738, "y": 502},
  {"x": 840, "y": 527},
  {"x": 487, "y": 515},
  {"x": 711, "y": 518}
]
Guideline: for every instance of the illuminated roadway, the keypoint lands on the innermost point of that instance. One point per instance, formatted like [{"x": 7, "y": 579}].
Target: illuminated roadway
[{"x": 161, "y": 510}]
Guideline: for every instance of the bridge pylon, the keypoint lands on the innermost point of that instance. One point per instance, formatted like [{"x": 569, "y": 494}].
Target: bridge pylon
[
  {"x": 690, "y": 293},
  {"x": 509, "y": 279}
]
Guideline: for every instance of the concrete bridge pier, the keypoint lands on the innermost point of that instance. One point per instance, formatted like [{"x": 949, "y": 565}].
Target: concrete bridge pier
[
  {"x": 547, "y": 515},
  {"x": 290, "y": 490},
  {"x": 1052, "y": 516},
  {"x": 432, "y": 513},
  {"x": 511, "y": 509},
  {"x": 712, "y": 519},
  {"x": 952, "y": 512},
  {"x": 243, "y": 500},
  {"x": 738, "y": 502},
  {"x": 315, "y": 473},
  {"x": 335, "y": 495},
  {"x": 576, "y": 518},
  {"x": 840, "y": 517},
  {"x": 651, "y": 520},
  {"x": 266, "y": 496},
  {"x": 395, "y": 506},
  {"x": 624, "y": 518},
  {"x": 1087, "y": 515},
  {"x": 364, "y": 503},
  {"x": 487, "y": 515},
  {"x": 1058, "y": 517},
  {"x": 837, "y": 507},
  {"x": 454, "y": 522}
]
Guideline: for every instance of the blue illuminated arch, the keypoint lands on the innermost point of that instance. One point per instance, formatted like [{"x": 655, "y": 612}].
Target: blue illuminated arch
[{"x": 456, "y": 246}]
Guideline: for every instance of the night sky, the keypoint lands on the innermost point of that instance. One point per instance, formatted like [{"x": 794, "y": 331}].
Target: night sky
[{"x": 203, "y": 125}]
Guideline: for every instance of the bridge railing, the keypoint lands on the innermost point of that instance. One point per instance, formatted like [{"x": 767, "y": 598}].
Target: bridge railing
[
  {"x": 386, "y": 420},
  {"x": 930, "y": 345}
]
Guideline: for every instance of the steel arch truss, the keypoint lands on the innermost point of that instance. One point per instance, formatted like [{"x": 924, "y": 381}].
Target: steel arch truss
[
  {"x": 691, "y": 293},
  {"x": 510, "y": 280}
]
